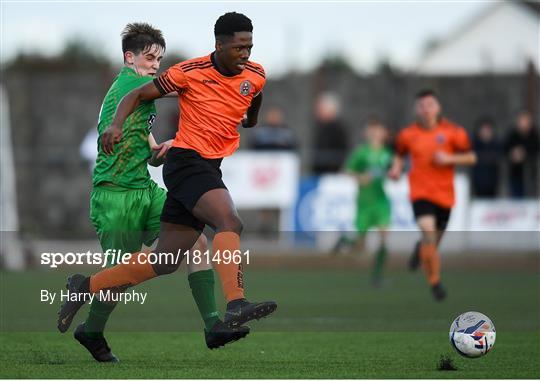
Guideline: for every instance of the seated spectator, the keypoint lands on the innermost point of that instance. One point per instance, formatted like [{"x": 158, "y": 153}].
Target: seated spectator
[{"x": 273, "y": 134}]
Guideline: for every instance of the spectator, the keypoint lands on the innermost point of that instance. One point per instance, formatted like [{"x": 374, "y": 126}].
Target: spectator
[
  {"x": 273, "y": 134},
  {"x": 330, "y": 143},
  {"x": 485, "y": 175},
  {"x": 521, "y": 146}
]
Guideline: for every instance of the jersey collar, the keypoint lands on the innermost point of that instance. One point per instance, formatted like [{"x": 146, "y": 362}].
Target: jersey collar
[{"x": 214, "y": 64}]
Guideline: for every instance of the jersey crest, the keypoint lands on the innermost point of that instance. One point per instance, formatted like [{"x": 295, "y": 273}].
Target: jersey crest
[
  {"x": 245, "y": 88},
  {"x": 440, "y": 138}
]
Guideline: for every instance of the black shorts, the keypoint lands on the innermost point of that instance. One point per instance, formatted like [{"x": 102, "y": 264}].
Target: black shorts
[
  {"x": 187, "y": 176},
  {"x": 425, "y": 207}
]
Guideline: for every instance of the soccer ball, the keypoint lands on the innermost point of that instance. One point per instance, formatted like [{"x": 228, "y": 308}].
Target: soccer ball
[{"x": 472, "y": 334}]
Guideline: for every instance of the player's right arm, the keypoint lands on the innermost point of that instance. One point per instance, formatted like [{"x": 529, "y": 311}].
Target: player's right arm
[
  {"x": 356, "y": 166},
  {"x": 395, "y": 171},
  {"x": 362, "y": 178},
  {"x": 398, "y": 161},
  {"x": 172, "y": 80},
  {"x": 128, "y": 104}
]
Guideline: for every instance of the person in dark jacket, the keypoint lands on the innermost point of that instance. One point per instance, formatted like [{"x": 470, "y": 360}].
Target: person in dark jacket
[
  {"x": 486, "y": 173},
  {"x": 521, "y": 146},
  {"x": 274, "y": 134},
  {"x": 330, "y": 143}
]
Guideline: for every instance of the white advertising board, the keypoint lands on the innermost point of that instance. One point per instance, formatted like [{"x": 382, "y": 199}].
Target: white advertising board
[
  {"x": 257, "y": 179},
  {"x": 506, "y": 226}
]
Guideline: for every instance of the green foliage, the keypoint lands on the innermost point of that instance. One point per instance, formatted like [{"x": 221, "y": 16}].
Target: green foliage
[
  {"x": 336, "y": 63},
  {"x": 385, "y": 67}
]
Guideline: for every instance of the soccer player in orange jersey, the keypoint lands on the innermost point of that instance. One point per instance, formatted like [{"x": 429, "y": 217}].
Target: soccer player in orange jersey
[
  {"x": 435, "y": 146},
  {"x": 216, "y": 93}
]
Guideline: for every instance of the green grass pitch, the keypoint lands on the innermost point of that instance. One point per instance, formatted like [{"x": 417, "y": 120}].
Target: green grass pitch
[{"x": 329, "y": 324}]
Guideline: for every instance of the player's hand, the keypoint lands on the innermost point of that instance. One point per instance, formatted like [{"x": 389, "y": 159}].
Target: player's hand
[
  {"x": 245, "y": 122},
  {"x": 364, "y": 179},
  {"x": 162, "y": 148},
  {"x": 443, "y": 158},
  {"x": 110, "y": 137}
]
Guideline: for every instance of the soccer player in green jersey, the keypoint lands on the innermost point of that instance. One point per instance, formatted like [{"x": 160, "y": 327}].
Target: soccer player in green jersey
[
  {"x": 368, "y": 164},
  {"x": 126, "y": 203}
]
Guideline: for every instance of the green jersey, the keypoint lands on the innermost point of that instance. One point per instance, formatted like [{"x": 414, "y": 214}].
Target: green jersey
[
  {"x": 375, "y": 161},
  {"x": 127, "y": 166}
]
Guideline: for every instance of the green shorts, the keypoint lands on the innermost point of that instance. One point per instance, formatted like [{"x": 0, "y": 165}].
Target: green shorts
[
  {"x": 372, "y": 216},
  {"x": 124, "y": 218}
]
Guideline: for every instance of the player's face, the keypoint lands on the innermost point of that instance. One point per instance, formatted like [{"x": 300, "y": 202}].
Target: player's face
[
  {"x": 428, "y": 110},
  {"x": 486, "y": 133},
  {"x": 147, "y": 61},
  {"x": 524, "y": 122},
  {"x": 234, "y": 52},
  {"x": 376, "y": 134}
]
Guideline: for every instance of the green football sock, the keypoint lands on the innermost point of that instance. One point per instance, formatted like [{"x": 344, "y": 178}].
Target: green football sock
[
  {"x": 380, "y": 260},
  {"x": 97, "y": 318},
  {"x": 202, "y": 288}
]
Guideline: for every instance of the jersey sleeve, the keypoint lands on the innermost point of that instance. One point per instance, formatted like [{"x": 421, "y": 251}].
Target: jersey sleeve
[
  {"x": 461, "y": 141},
  {"x": 260, "y": 86},
  {"x": 257, "y": 76},
  {"x": 402, "y": 143},
  {"x": 171, "y": 80}
]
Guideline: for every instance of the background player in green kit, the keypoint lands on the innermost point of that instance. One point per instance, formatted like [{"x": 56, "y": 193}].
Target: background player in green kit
[
  {"x": 368, "y": 164},
  {"x": 126, "y": 203}
]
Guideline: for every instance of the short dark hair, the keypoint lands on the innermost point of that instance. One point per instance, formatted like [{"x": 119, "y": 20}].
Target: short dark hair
[
  {"x": 137, "y": 37},
  {"x": 483, "y": 120},
  {"x": 374, "y": 120},
  {"x": 426, "y": 93},
  {"x": 230, "y": 23}
]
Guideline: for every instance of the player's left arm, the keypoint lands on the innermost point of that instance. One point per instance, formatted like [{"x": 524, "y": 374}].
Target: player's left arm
[
  {"x": 158, "y": 151},
  {"x": 463, "y": 152},
  {"x": 252, "y": 113},
  {"x": 463, "y": 158},
  {"x": 172, "y": 94}
]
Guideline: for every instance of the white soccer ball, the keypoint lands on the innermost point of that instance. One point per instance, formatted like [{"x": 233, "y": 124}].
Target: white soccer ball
[{"x": 472, "y": 334}]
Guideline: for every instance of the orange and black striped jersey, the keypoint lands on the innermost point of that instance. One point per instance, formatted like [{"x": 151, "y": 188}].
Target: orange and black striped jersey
[{"x": 211, "y": 105}]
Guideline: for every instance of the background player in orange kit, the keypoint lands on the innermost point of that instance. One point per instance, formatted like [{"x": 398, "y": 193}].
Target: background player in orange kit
[
  {"x": 435, "y": 146},
  {"x": 215, "y": 92}
]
